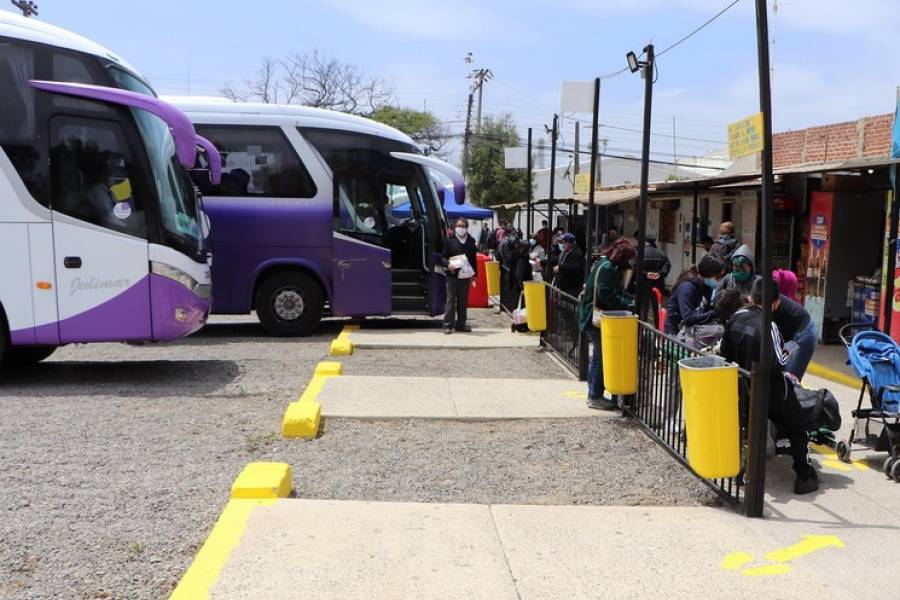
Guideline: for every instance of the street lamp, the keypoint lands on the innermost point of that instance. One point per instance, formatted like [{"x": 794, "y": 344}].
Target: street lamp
[
  {"x": 647, "y": 66},
  {"x": 633, "y": 63}
]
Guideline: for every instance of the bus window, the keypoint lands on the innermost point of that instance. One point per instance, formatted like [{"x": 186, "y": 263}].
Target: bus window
[
  {"x": 92, "y": 173},
  {"x": 258, "y": 161},
  {"x": 18, "y": 119},
  {"x": 359, "y": 206}
]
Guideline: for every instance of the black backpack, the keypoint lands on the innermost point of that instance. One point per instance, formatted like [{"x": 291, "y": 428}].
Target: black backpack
[{"x": 819, "y": 408}]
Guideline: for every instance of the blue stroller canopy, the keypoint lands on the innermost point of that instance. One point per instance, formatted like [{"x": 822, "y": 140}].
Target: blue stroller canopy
[{"x": 876, "y": 357}]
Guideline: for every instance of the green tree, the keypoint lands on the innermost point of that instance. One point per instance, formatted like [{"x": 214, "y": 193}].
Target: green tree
[
  {"x": 422, "y": 126},
  {"x": 489, "y": 181}
]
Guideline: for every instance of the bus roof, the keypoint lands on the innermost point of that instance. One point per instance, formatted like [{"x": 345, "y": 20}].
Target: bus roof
[
  {"x": 33, "y": 30},
  {"x": 302, "y": 116}
]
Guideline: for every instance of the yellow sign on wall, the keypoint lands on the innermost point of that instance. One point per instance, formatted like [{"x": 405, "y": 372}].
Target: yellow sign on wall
[
  {"x": 745, "y": 136},
  {"x": 582, "y": 185}
]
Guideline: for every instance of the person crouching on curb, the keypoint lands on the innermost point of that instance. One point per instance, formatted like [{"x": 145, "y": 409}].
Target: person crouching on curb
[
  {"x": 462, "y": 270},
  {"x": 603, "y": 291},
  {"x": 740, "y": 345}
]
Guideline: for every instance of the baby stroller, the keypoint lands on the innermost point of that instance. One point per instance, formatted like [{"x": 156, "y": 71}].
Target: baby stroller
[{"x": 876, "y": 359}]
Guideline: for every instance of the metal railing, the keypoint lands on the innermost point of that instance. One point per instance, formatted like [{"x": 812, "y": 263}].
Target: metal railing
[
  {"x": 658, "y": 404},
  {"x": 563, "y": 336}
]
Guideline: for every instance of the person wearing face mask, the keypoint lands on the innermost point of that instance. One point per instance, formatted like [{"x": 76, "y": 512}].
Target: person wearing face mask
[
  {"x": 462, "y": 271},
  {"x": 742, "y": 276},
  {"x": 603, "y": 291},
  {"x": 691, "y": 300},
  {"x": 569, "y": 269}
]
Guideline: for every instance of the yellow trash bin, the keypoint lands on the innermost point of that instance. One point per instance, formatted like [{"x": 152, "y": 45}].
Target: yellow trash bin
[
  {"x": 492, "y": 270},
  {"x": 710, "y": 388},
  {"x": 535, "y": 305},
  {"x": 618, "y": 336}
]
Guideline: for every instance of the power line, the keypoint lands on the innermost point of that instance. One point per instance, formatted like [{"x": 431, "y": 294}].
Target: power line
[{"x": 698, "y": 29}]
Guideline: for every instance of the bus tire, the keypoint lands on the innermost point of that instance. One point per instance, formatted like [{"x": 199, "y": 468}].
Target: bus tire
[
  {"x": 28, "y": 355},
  {"x": 289, "y": 304},
  {"x": 4, "y": 336}
]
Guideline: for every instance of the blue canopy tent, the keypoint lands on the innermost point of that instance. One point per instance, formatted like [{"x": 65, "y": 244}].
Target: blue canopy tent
[{"x": 454, "y": 210}]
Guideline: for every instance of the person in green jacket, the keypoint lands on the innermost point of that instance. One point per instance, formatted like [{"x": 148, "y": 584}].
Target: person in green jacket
[{"x": 604, "y": 286}]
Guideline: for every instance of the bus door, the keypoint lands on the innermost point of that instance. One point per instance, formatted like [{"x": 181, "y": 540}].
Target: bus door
[
  {"x": 99, "y": 233},
  {"x": 361, "y": 264}
]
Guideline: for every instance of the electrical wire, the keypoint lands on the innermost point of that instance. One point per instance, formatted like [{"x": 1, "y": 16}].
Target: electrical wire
[{"x": 698, "y": 29}]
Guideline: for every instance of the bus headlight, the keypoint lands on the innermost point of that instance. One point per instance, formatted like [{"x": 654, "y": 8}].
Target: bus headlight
[{"x": 176, "y": 274}]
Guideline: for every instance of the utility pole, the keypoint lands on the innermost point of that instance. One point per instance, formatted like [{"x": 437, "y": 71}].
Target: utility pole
[
  {"x": 588, "y": 238},
  {"x": 28, "y": 8},
  {"x": 480, "y": 76},
  {"x": 552, "y": 197},
  {"x": 674, "y": 150},
  {"x": 755, "y": 475},
  {"x": 529, "y": 211},
  {"x": 648, "y": 69},
  {"x": 467, "y": 137}
]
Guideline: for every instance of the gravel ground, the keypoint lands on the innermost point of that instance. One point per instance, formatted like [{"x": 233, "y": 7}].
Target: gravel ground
[
  {"x": 116, "y": 460},
  {"x": 560, "y": 461}
]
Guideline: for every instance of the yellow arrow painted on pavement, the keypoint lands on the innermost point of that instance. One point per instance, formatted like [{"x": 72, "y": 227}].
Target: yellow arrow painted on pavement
[
  {"x": 833, "y": 461},
  {"x": 808, "y": 545}
]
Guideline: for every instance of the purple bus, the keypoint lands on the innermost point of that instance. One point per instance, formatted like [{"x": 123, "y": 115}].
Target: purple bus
[{"x": 303, "y": 222}]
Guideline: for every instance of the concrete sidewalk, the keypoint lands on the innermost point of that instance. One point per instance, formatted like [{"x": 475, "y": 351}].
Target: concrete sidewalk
[
  {"x": 332, "y": 549},
  {"x": 434, "y": 337},
  {"x": 457, "y": 398}
]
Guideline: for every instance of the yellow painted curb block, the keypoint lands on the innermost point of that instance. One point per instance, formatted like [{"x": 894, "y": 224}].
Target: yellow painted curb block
[
  {"x": 313, "y": 388},
  {"x": 262, "y": 480},
  {"x": 341, "y": 347},
  {"x": 329, "y": 368},
  {"x": 204, "y": 571},
  {"x": 301, "y": 419},
  {"x": 820, "y": 370}
]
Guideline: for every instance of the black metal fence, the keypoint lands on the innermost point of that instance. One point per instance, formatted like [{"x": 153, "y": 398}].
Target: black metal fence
[
  {"x": 563, "y": 336},
  {"x": 509, "y": 295},
  {"x": 659, "y": 408}
]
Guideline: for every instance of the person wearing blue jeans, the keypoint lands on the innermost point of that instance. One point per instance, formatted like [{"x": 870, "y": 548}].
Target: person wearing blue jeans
[
  {"x": 799, "y": 333},
  {"x": 604, "y": 291}
]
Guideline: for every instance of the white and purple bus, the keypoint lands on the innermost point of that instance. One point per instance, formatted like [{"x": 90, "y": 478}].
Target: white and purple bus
[
  {"x": 303, "y": 222},
  {"x": 101, "y": 236}
]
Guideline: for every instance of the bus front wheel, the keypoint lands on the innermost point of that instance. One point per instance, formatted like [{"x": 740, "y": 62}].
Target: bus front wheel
[
  {"x": 28, "y": 355},
  {"x": 289, "y": 304}
]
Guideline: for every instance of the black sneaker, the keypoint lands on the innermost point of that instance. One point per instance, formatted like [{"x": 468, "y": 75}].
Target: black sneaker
[
  {"x": 448, "y": 331},
  {"x": 602, "y": 404},
  {"x": 807, "y": 483}
]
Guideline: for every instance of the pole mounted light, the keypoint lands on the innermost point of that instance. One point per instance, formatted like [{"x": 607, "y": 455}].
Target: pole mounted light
[
  {"x": 633, "y": 62},
  {"x": 646, "y": 66}
]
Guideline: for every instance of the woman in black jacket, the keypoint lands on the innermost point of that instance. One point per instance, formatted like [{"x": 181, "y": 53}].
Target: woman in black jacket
[
  {"x": 460, "y": 275},
  {"x": 691, "y": 301}
]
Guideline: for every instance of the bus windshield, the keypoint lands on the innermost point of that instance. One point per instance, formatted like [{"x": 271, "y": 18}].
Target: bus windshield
[{"x": 178, "y": 208}]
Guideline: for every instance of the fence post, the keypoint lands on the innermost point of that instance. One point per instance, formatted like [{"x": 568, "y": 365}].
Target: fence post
[{"x": 583, "y": 358}]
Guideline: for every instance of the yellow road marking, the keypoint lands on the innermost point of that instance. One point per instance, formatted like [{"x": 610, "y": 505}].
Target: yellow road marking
[
  {"x": 216, "y": 550},
  {"x": 824, "y": 372},
  {"x": 808, "y": 545},
  {"x": 780, "y": 557},
  {"x": 835, "y": 463},
  {"x": 575, "y": 395},
  {"x": 736, "y": 560}
]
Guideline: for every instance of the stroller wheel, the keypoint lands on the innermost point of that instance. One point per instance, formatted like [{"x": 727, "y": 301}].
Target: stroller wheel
[
  {"x": 843, "y": 452},
  {"x": 888, "y": 463},
  {"x": 895, "y": 471}
]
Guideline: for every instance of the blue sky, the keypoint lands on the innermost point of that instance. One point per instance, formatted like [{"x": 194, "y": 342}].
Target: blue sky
[{"x": 833, "y": 59}]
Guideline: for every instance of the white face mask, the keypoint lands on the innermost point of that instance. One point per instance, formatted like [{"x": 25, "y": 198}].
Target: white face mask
[{"x": 461, "y": 232}]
